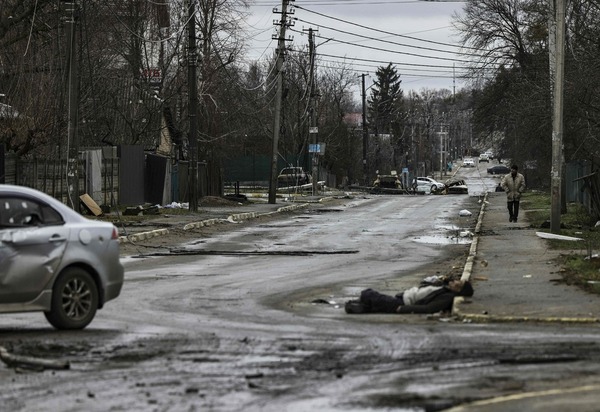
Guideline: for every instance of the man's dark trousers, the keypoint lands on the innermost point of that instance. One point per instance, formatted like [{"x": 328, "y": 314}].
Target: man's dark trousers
[
  {"x": 513, "y": 209},
  {"x": 378, "y": 302}
]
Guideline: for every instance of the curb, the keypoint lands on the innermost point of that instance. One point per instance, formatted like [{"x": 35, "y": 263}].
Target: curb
[
  {"x": 468, "y": 269},
  {"x": 143, "y": 235},
  {"x": 476, "y": 318},
  {"x": 235, "y": 218}
]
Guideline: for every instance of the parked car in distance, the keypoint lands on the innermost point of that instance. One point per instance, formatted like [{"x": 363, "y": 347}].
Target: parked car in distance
[
  {"x": 468, "y": 162},
  {"x": 427, "y": 184},
  {"x": 490, "y": 155},
  {"x": 293, "y": 176},
  {"x": 498, "y": 170},
  {"x": 483, "y": 157},
  {"x": 54, "y": 260}
]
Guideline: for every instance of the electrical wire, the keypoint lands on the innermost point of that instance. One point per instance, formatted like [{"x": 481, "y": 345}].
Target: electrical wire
[
  {"x": 390, "y": 51},
  {"x": 382, "y": 40},
  {"x": 384, "y": 31}
]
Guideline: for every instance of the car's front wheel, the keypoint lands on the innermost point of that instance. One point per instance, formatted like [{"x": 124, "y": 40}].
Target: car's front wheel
[{"x": 74, "y": 300}]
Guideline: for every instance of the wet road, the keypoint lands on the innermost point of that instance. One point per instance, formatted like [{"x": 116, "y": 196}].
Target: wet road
[{"x": 263, "y": 329}]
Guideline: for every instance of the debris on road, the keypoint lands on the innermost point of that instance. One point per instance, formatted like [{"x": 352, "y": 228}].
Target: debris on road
[{"x": 17, "y": 361}]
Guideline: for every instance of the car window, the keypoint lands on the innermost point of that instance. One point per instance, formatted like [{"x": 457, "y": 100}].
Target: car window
[{"x": 18, "y": 212}]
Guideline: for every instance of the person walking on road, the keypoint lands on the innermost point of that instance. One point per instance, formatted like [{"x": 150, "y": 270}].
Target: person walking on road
[{"x": 514, "y": 185}]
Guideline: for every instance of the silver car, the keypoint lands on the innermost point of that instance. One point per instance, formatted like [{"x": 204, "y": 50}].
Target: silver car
[
  {"x": 54, "y": 260},
  {"x": 427, "y": 184}
]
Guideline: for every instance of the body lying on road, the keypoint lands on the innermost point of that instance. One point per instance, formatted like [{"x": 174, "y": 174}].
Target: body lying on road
[{"x": 432, "y": 296}]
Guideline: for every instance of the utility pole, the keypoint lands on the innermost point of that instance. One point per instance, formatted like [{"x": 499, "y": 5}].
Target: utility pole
[
  {"x": 365, "y": 131},
  {"x": 441, "y": 153},
  {"x": 192, "y": 109},
  {"x": 557, "y": 120},
  {"x": 313, "y": 130},
  {"x": 283, "y": 23},
  {"x": 72, "y": 11}
]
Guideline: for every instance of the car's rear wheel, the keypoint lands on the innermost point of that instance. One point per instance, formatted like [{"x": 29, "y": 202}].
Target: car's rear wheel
[{"x": 74, "y": 300}]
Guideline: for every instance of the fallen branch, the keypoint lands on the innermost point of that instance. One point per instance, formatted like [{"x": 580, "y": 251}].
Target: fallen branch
[{"x": 28, "y": 361}]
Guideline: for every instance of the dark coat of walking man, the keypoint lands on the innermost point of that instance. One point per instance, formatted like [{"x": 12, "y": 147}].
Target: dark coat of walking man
[{"x": 514, "y": 185}]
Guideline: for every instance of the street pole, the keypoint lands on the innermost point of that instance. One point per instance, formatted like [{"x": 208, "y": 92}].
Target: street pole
[
  {"x": 441, "y": 154},
  {"x": 192, "y": 109},
  {"x": 313, "y": 118},
  {"x": 557, "y": 121},
  {"x": 365, "y": 131},
  {"x": 73, "y": 106},
  {"x": 277, "y": 115}
]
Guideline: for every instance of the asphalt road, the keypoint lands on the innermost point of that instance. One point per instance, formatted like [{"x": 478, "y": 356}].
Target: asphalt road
[{"x": 252, "y": 319}]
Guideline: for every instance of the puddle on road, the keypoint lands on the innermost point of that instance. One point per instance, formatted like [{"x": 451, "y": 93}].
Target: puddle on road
[{"x": 443, "y": 240}]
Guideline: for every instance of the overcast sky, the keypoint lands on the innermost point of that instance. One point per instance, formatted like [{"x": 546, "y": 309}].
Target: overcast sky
[{"x": 369, "y": 34}]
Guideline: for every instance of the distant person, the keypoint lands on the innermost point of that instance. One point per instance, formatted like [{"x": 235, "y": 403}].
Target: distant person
[
  {"x": 499, "y": 187},
  {"x": 425, "y": 298},
  {"x": 514, "y": 185}
]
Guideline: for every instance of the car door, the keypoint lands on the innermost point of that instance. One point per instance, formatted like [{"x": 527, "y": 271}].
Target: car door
[{"x": 33, "y": 240}]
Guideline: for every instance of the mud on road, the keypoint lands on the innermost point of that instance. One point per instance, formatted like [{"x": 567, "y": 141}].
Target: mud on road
[{"x": 188, "y": 360}]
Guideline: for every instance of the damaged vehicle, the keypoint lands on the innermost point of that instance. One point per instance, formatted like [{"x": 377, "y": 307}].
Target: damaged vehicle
[
  {"x": 387, "y": 184},
  {"x": 452, "y": 186},
  {"x": 456, "y": 187},
  {"x": 54, "y": 260},
  {"x": 293, "y": 176}
]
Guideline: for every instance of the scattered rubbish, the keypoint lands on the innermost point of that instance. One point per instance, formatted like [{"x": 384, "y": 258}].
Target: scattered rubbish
[
  {"x": 91, "y": 205},
  {"x": 593, "y": 282},
  {"x": 594, "y": 256},
  {"x": 484, "y": 263},
  {"x": 466, "y": 233},
  {"x": 480, "y": 278},
  {"x": 177, "y": 205},
  {"x": 141, "y": 210},
  {"x": 465, "y": 212},
  {"x": 552, "y": 236},
  {"x": 526, "y": 276}
]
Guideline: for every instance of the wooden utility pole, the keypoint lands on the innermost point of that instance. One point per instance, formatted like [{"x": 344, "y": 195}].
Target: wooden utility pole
[
  {"x": 557, "y": 120},
  {"x": 72, "y": 11},
  {"x": 365, "y": 131},
  {"x": 192, "y": 109},
  {"x": 283, "y": 23},
  {"x": 313, "y": 118}
]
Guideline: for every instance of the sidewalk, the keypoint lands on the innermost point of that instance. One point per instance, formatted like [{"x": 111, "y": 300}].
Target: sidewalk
[{"x": 513, "y": 275}]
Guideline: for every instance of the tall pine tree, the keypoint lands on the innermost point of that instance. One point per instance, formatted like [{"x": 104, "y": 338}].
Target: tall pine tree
[{"x": 385, "y": 102}]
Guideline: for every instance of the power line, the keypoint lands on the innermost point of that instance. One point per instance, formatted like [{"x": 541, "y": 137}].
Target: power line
[
  {"x": 383, "y": 31},
  {"x": 387, "y": 41},
  {"x": 356, "y": 2},
  {"x": 389, "y": 51}
]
